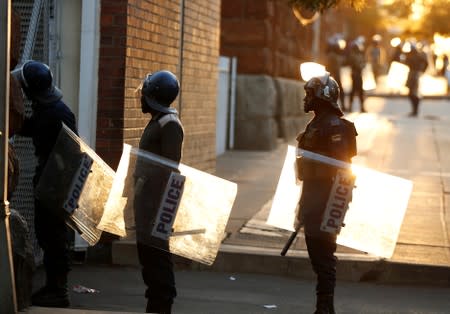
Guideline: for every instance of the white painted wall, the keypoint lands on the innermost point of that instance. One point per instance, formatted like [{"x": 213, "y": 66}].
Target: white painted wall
[
  {"x": 68, "y": 30},
  {"x": 89, "y": 55},
  {"x": 77, "y": 32}
]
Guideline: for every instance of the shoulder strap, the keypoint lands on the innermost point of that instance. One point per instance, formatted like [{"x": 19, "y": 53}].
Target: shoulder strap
[
  {"x": 351, "y": 134},
  {"x": 350, "y": 126},
  {"x": 169, "y": 117}
]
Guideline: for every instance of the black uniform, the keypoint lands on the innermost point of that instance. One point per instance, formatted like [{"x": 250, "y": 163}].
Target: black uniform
[
  {"x": 51, "y": 230},
  {"x": 334, "y": 64},
  {"x": 327, "y": 134},
  {"x": 417, "y": 63},
  {"x": 162, "y": 136},
  {"x": 357, "y": 62}
]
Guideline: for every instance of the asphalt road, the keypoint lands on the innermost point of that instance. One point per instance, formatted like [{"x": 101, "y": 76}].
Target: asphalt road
[{"x": 121, "y": 289}]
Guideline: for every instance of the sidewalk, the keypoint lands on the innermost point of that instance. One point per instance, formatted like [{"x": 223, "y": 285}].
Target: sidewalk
[{"x": 121, "y": 289}]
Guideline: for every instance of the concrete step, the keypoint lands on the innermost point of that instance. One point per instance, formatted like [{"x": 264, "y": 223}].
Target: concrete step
[
  {"x": 48, "y": 310},
  {"x": 251, "y": 259}
]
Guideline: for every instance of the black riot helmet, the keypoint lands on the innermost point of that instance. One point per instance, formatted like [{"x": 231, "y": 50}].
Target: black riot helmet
[
  {"x": 159, "y": 90},
  {"x": 322, "y": 90},
  {"x": 36, "y": 80}
]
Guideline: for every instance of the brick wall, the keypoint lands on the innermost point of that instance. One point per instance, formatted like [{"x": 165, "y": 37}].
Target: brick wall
[
  {"x": 152, "y": 44},
  {"x": 265, "y": 37},
  {"x": 141, "y": 36},
  {"x": 200, "y": 76},
  {"x": 111, "y": 81}
]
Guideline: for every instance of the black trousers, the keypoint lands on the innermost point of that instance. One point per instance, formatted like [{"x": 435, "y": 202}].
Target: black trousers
[
  {"x": 158, "y": 275},
  {"x": 53, "y": 236},
  {"x": 414, "y": 99},
  {"x": 358, "y": 91},
  {"x": 321, "y": 254}
]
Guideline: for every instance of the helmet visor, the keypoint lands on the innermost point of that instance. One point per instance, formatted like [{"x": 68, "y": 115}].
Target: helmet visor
[
  {"x": 17, "y": 73},
  {"x": 138, "y": 89},
  {"x": 48, "y": 95}
]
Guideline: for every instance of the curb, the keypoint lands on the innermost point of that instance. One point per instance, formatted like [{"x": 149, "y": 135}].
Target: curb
[
  {"x": 351, "y": 267},
  {"x": 388, "y": 95}
]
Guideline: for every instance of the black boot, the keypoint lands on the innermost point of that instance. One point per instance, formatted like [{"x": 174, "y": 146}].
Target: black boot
[
  {"x": 159, "y": 308},
  {"x": 53, "y": 294},
  {"x": 324, "y": 304}
]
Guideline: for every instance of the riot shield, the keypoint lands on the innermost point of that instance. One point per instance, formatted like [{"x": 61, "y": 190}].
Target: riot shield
[
  {"x": 171, "y": 206},
  {"x": 375, "y": 213},
  {"x": 397, "y": 76},
  {"x": 284, "y": 203},
  {"x": 76, "y": 183}
]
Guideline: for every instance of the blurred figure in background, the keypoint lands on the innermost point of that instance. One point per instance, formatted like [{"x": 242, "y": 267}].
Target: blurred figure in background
[
  {"x": 417, "y": 62},
  {"x": 444, "y": 68},
  {"x": 375, "y": 56},
  {"x": 357, "y": 61},
  {"x": 397, "y": 45},
  {"x": 335, "y": 58},
  {"x": 445, "y": 72}
]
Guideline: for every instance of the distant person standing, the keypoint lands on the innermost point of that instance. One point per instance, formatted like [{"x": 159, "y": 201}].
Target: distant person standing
[
  {"x": 445, "y": 72},
  {"x": 375, "y": 53},
  {"x": 444, "y": 65},
  {"x": 357, "y": 62},
  {"x": 334, "y": 62},
  {"x": 397, "y": 52},
  {"x": 417, "y": 62}
]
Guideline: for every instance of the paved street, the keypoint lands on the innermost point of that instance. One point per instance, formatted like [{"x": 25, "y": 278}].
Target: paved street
[{"x": 121, "y": 290}]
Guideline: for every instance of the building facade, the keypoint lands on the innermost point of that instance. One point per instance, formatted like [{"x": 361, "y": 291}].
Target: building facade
[
  {"x": 270, "y": 44},
  {"x": 138, "y": 37}
]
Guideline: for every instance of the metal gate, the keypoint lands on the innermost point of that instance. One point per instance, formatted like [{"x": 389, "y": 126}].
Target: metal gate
[{"x": 34, "y": 45}]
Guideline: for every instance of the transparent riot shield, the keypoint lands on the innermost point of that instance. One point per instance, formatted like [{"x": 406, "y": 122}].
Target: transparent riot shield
[
  {"x": 375, "y": 212},
  {"x": 76, "y": 183},
  {"x": 284, "y": 203},
  {"x": 171, "y": 206},
  {"x": 397, "y": 76}
]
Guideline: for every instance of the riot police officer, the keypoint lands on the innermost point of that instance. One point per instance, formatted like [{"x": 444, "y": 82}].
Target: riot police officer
[
  {"x": 335, "y": 59},
  {"x": 162, "y": 136},
  {"x": 330, "y": 135},
  {"x": 43, "y": 126},
  {"x": 417, "y": 62},
  {"x": 357, "y": 62}
]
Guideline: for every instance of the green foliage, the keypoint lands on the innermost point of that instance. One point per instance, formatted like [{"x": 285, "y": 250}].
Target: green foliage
[
  {"x": 322, "y": 5},
  {"x": 367, "y": 22},
  {"x": 436, "y": 20},
  {"x": 399, "y": 9}
]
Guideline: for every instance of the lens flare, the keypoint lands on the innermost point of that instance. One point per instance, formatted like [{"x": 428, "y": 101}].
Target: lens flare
[{"x": 309, "y": 70}]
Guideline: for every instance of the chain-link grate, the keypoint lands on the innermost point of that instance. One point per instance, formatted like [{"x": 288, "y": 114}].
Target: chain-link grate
[{"x": 23, "y": 198}]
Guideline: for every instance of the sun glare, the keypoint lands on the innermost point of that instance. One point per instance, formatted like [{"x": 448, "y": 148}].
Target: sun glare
[
  {"x": 417, "y": 10},
  {"x": 311, "y": 69}
]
